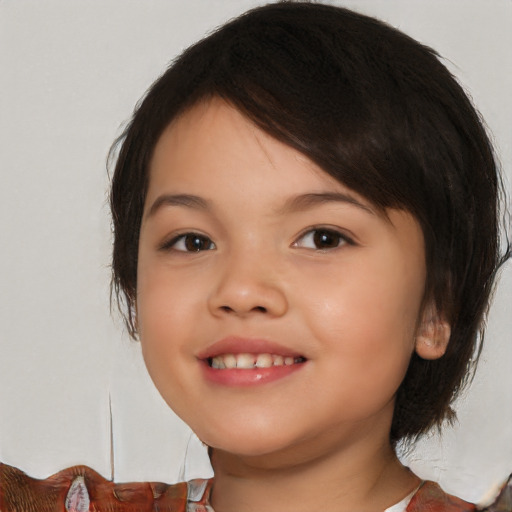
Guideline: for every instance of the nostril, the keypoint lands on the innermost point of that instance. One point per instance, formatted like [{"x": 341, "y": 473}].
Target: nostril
[{"x": 228, "y": 309}]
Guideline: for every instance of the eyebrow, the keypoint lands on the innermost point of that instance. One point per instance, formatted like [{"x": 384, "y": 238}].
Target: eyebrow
[
  {"x": 293, "y": 204},
  {"x": 307, "y": 201},
  {"x": 187, "y": 200}
]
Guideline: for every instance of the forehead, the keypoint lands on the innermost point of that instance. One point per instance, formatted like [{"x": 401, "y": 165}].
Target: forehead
[{"x": 214, "y": 150}]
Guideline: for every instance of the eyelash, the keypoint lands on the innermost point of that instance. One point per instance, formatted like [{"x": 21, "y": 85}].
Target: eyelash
[
  {"x": 327, "y": 234},
  {"x": 194, "y": 237},
  {"x": 318, "y": 235}
]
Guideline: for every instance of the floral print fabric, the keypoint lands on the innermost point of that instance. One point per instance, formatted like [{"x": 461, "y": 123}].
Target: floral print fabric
[{"x": 81, "y": 489}]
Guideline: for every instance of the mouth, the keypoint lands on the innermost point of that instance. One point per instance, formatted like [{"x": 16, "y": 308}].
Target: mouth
[
  {"x": 236, "y": 361},
  {"x": 246, "y": 361}
]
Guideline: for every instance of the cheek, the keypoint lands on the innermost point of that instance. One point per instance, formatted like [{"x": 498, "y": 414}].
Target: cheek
[
  {"x": 164, "y": 315},
  {"x": 368, "y": 319},
  {"x": 164, "y": 322},
  {"x": 372, "y": 309},
  {"x": 165, "y": 300}
]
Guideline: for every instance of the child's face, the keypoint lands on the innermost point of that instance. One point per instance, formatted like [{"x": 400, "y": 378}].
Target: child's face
[{"x": 246, "y": 246}]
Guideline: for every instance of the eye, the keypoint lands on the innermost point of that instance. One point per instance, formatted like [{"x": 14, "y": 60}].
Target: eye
[
  {"x": 189, "y": 242},
  {"x": 323, "y": 239}
]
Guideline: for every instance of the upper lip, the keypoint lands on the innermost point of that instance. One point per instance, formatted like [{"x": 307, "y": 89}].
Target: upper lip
[{"x": 239, "y": 345}]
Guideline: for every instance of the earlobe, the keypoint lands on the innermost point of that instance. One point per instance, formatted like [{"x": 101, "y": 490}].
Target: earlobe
[{"x": 432, "y": 336}]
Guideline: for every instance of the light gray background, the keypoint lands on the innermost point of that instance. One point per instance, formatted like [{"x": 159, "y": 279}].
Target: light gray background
[{"x": 70, "y": 74}]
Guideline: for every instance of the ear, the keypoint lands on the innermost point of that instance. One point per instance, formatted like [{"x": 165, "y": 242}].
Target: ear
[{"x": 432, "y": 335}]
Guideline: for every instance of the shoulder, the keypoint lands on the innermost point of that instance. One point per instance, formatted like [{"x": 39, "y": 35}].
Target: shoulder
[
  {"x": 80, "y": 488},
  {"x": 431, "y": 498},
  {"x": 503, "y": 501}
]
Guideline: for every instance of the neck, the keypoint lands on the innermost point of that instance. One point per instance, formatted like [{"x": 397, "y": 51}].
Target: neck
[{"x": 357, "y": 476}]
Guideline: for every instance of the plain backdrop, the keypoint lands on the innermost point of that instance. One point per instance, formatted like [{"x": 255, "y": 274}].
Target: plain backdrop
[{"x": 70, "y": 75}]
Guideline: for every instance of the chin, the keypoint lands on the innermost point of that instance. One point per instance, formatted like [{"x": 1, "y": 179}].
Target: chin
[
  {"x": 253, "y": 443},
  {"x": 244, "y": 446}
]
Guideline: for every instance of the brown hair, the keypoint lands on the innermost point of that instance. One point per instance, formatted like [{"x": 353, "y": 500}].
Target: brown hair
[{"x": 377, "y": 111}]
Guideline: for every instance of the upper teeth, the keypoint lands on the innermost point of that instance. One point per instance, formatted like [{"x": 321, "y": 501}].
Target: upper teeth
[{"x": 246, "y": 361}]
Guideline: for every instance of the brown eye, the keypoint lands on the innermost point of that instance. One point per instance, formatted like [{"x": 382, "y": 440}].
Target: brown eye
[
  {"x": 322, "y": 239},
  {"x": 191, "y": 242},
  {"x": 326, "y": 239}
]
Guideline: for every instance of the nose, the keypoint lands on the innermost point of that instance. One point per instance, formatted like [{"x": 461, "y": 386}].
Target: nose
[{"x": 247, "y": 285}]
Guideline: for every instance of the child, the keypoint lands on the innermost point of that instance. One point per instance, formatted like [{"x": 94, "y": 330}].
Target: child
[
  {"x": 306, "y": 239},
  {"x": 304, "y": 194}
]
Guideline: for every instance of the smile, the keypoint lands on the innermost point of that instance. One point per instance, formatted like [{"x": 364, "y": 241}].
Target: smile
[
  {"x": 248, "y": 361},
  {"x": 240, "y": 361}
]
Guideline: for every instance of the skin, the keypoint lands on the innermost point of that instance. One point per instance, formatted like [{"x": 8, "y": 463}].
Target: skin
[{"x": 353, "y": 308}]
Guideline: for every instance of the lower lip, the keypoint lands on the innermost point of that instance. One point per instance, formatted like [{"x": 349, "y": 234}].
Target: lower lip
[{"x": 251, "y": 377}]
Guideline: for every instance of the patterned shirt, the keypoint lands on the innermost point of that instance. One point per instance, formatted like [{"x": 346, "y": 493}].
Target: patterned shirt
[{"x": 81, "y": 489}]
